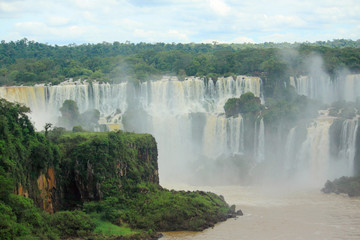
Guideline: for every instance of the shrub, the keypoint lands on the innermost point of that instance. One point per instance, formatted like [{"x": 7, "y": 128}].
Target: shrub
[{"x": 72, "y": 223}]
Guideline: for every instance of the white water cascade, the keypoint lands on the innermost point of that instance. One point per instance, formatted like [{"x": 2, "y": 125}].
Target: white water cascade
[
  {"x": 186, "y": 117},
  {"x": 310, "y": 158},
  {"x": 347, "y": 148},
  {"x": 259, "y": 141},
  {"x": 188, "y": 121},
  {"x": 343, "y": 87},
  {"x": 313, "y": 160},
  {"x": 45, "y": 101},
  {"x": 290, "y": 153},
  {"x": 321, "y": 87},
  {"x": 351, "y": 87}
]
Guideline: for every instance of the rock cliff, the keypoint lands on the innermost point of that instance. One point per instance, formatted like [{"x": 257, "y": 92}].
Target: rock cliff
[{"x": 91, "y": 166}]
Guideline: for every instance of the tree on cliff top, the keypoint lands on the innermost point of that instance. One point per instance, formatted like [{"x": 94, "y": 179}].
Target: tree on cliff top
[
  {"x": 247, "y": 103},
  {"x": 70, "y": 115}
]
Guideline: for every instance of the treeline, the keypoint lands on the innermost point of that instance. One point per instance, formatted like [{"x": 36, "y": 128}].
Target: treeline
[{"x": 28, "y": 62}]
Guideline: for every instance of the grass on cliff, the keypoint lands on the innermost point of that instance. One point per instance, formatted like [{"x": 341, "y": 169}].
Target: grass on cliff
[{"x": 107, "y": 228}]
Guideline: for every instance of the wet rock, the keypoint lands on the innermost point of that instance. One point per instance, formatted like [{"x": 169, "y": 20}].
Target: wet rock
[{"x": 239, "y": 213}]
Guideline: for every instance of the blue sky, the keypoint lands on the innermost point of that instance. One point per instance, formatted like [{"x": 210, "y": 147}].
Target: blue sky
[{"x": 231, "y": 21}]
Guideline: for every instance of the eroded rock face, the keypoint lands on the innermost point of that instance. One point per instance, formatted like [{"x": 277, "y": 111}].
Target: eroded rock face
[
  {"x": 46, "y": 184},
  {"x": 92, "y": 165},
  {"x": 43, "y": 191},
  {"x": 21, "y": 191}
]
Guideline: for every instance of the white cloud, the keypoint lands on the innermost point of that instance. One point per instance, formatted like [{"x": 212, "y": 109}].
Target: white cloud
[
  {"x": 220, "y": 7},
  {"x": 180, "y": 36},
  {"x": 179, "y": 21},
  {"x": 171, "y": 35},
  {"x": 8, "y": 7},
  {"x": 57, "y": 20},
  {"x": 32, "y": 28}
]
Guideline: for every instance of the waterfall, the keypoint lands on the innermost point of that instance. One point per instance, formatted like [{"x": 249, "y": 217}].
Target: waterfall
[
  {"x": 186, "y": 117},
  {"x": 347, "y": 148},
  {"x": 344, "y": 87},
  {"x": 259, "y": 141},
  {"x": 314, "y": 158},
  {"x": 290, "y": 152},
  {"x": 351, "y": 87},
  {"x": 188, "y": 121},
  {"x": 223, "y": 135},
  {"x": 33, "y": 97},
  {"x": 307, "y": 155},
  {"x": 45, "y": 101},
  {"x": 315, "y": 87}
]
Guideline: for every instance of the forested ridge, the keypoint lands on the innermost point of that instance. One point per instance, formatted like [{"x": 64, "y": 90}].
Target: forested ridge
[{"x": 28, "y": 62}]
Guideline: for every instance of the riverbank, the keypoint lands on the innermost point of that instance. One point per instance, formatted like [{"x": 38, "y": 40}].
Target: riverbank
[{"x": 281, "y": 213}]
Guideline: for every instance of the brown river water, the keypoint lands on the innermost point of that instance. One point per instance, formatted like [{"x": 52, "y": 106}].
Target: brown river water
[{"x": 280, "y": 213}]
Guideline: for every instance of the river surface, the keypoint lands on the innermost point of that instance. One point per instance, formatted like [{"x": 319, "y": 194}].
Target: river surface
[{"x": 280, "y": 213}]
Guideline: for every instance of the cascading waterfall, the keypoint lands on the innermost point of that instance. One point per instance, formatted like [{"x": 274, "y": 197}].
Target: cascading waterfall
[
  {"x": 45, "y": 101},
  {"x": 344, "y": 87},
  {"x": 259, "y": 141},
  {"x": 172, "y": 105},
  {"x": 315, "y": 87},
  {"x": 290, "y": 152},
  {"x": 351, "y": 87},
  {"x": 347, "y": 148},
  {"x": 313, "y": 161},
  {"x": 223, "y": 135},
  {"x": 188, "y": 121},
  {"x": 186, "y": 117}
]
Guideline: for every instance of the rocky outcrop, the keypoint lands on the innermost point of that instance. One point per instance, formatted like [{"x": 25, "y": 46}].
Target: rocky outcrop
[
  {"x": 95, "y": 164},
  {"x": 91, "y": 167},
  {"x": 346, "y": 185},
  {"x": 46, "y": 184}
]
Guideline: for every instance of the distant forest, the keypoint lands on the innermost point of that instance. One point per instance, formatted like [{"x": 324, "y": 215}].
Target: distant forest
[{"x": 28, "y": 62}]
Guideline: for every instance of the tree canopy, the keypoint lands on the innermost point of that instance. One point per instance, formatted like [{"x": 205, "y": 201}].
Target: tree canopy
[
  {"x": 247, "y": 103},
  {"x": 28, "y": 62}
]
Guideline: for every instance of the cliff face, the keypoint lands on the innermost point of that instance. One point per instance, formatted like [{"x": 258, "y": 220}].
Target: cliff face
[
  {"x": 93, "y": 166},
  {"x": 46, "y": 184}
]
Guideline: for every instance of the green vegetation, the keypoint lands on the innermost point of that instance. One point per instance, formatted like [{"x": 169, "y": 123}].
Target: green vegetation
[
  {"x": 20, "y": 219},
  {"x": 112, "y": 177},
  {"x": 72, "y": 223},
  {"x": 289, "y": 110},
  {"x": 347, "y": 185},
  {"x": 24, "y": 153},
  {"x": 247, "y": 103},
  {"x": 107, "y": 228},
  {"x": 27, "y": 62},
  {"x": 150, "y": 207}
]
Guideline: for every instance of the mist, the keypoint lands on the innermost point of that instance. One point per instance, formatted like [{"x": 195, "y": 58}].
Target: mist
[{"x": 198, "y": 144}]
